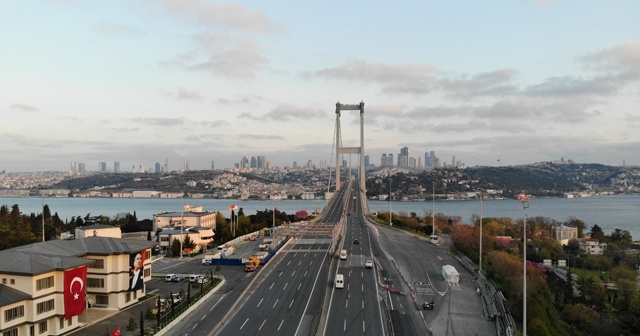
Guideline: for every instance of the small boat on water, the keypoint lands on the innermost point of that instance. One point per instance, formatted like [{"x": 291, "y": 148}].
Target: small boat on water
[{"x": 523, "y": 197}]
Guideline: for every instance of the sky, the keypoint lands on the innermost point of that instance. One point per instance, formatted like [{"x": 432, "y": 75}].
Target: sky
[{"x": 489, "y": 82}]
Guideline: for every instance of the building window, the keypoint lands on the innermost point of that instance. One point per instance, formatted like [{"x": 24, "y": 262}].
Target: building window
[
  {"x": 69, "y": 322},
  {"x": 44, "y": 283},
  {"x": 13, "y": 281},
  {"x": 13, "y": 313},
  {"x": 12, "y": 332},
  {"x": 95, "y": 283},
  {"x": 45, "y": 306},
  {"x": 42, "y": 327},
  {"x": 62, "y": 323},
  {"x": 4, "y": 281},
  {"x": 32, "y": 330},
  {"x": 102, "y": 299},
  {"x": 148, "y": 255},
  {"x": 127, "y": 297},
  {"x": 147, "y": 272},
  {"x": 99, "y": 263}
]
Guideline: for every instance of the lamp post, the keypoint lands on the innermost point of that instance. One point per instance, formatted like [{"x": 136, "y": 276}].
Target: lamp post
[
  {"x": 390, "y": 213},
  {"x": 525, "y": 206},
  {"x": 480, "y": 267},
  {"x": 433, "y": 208},
  {"x": 181, "y": 225}
]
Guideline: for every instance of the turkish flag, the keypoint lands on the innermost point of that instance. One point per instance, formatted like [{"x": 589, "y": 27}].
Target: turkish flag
[{"x": 74, "y": 288}]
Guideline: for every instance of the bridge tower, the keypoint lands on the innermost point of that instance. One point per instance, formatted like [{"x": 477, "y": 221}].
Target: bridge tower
[{"x": 350, "y": 150}]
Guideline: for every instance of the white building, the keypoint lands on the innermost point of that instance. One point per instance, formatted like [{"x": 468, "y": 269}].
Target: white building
[
  {"x": 593, "y": 246},
  {"x": 33, "y": 281},
  {"x": 98, "y": 230},
  {"x": 191, "y": 216}
]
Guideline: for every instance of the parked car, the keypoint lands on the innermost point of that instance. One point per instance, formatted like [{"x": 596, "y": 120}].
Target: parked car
[
  {"x": 193, "y": 277},
  {"x": 202, "y": 280},
  {"x": 368, "y": 264},
  {"x": 169, "y": 277},
  {"x": 356, "y": 241},
  {"x": 177, "y": 278},
  {"x": 175, "y": 298}
]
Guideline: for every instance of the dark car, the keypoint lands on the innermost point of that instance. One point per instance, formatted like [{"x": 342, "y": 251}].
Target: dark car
[
  {"x": 177, "y": 278},
  {"x": 428, "y": 305},
  {"x": 356, "y": 241}
]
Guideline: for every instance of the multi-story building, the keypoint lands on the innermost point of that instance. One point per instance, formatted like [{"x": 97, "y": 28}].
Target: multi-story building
[
  {"x": 116, "y": 166},
  {"x": 593, "y": 246},
  {"x": 192, "y": 216},
  {"x": 41, "y": 281},
  {"x": 102, "y": 166},
  {"x": 158, "y": 168},
  {"x": 565, "y": 233},
  {"x": 200, "y": 236}
]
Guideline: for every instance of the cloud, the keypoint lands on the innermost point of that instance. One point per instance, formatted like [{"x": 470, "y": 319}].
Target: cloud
[
  {"x": 224, "y": 15},
  {"x": 24, "y": 108},
  {"x": 182, "y": 94},
  {"x": 116, "y": 29},
  {"x": 286, "y": 112},
  {"x": 261, "y": 136},
  {"x": 575, "y": 86},
  {"x": 158, "y": 121},
  {"x": 494, "y": 83},
  {"x": 394, "y": 78},
  {"x": 623, "y": 59},
  {"x": 223, "y": 55}
]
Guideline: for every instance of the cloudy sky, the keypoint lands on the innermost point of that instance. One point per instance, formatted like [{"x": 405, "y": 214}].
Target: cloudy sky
[{"x": 140, "y": 82}]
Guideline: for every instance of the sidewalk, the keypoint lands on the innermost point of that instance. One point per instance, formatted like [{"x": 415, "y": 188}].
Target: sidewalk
[{"x": 104, "y": 322}]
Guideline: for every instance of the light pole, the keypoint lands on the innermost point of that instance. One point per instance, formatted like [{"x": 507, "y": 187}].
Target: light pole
[
  {"x": 390, "y": 213},
  {"x": 181, "y": 225},
  {"x": 525, "y": 206},
  {"x": 433, "y": 208},
  {"x": 480, "y": 268}
]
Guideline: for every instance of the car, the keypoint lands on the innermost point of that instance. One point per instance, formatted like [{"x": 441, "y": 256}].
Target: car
[
  {"x": 368, "y": 264},
  {"x": 193, "y": 277},
  {"x": 169, "y": 277},
  {"x": 177, "y": 278},
  {"x": 356, "y": 241},
  {"x": 175, "y": 298},
  {"x": 202, "y": 280},
  {"x": 428, "y": 305}
]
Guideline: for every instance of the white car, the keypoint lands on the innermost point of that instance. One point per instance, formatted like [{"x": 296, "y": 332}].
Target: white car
[{"x": 368, "y": 264}]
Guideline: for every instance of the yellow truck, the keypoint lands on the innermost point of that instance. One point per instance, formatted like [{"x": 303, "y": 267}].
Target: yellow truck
[{"x": 251, "y": 264}]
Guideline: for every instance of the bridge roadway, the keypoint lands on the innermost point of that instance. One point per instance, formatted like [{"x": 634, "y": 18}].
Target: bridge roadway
[{"x": 288, "y": 299}]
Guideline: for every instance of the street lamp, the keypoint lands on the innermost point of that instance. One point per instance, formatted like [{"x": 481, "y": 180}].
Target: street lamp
[
  {"x": 480, "y": 268},
  {"x": 433, "y": 208},
  {"x": 525, "y": 206},
  {"x": 181, "y": 225},
  {"x": 390, "y": 213}
]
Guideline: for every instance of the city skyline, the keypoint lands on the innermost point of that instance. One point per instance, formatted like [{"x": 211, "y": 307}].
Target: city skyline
[{"x": 201, "y": 81}]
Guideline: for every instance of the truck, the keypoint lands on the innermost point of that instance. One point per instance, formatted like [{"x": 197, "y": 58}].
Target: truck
[
  {"x": 251, "y": 264},
  {"x": 450, "y": 274}
]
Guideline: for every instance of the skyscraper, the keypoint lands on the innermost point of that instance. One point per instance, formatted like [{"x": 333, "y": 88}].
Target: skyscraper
[
  {"x": 116, "y": 166},
  {"x": 366, "y": 160},
  {"x": 158, "y": 169},
  {"x": 213, "y": 165},
  {"x": 102, "y": 166}
]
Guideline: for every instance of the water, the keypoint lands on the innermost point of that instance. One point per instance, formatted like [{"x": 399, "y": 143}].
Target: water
[{"x": 609, "y": 212}]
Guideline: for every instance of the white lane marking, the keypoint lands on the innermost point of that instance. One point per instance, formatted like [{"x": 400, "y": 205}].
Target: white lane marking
[
  {"x": 272, "y": 285},
  {"x": 265, "y": 320},
  {"x": 362, "y": 304},
  {"x": 259, "y": 302},
  {"x": 291, "y": 303},
  {"x": 205, "y": 315},
  {"x": 280, "y": 324},
  {"x": 285, "y": 286},
  {"x": 223, "y": 295},
  {"x": 288, "y": 262},
  {"x": 275, "y": 303},
  {"x": 300, "y": 285},
  {"x": 363, "y": 329},
  {"x": 305, "y": 273},
  {"x": 346, "y": 304},
  {"x": 194, "y": 326},
  {"x": 345, "y": 324},
  {"x": 362, "y": 288},
  {"x": 294, "y": 272},
  {"x": 245, "y": 322}
]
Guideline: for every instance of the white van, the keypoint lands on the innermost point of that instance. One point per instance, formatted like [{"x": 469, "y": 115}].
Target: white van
[
  {"x": 339, "y": 281},
  {"x": 343, "y": 254},
  {"x": 169, "y": 277},
  {"x": 193, "y": 278}
]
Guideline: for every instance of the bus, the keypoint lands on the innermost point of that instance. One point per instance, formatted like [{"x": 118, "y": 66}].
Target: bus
[
  {"x": 343, "y": 254},
  {"x": 339, "y": 281}
]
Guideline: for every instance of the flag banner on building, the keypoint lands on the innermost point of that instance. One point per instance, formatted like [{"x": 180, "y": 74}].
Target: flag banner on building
[
  {"x": 136, "y": 271},
  {"x": 74, "y": 288},
  {"x": 232, "y": 207}
]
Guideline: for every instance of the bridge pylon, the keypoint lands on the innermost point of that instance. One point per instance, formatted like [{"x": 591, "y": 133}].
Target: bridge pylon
[{"x": 350, "y": 150}]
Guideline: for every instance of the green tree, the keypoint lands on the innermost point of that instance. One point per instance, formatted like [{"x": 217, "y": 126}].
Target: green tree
[
  {"x": 580, "y": 316},
  {"x": 188, "y": 243},
  {"x": 175, "y": 247}
]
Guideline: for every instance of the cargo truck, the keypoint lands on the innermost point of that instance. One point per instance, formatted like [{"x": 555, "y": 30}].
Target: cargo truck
[
  {"x": 251, "y": 264},
  {"x": 450, "y": 274}
]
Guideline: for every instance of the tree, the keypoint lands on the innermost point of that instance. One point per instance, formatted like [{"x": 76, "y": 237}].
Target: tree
[
  {"x": 301, "y": 214},
  {"x": 132, "y": 326},
  {"x": 175, "y": 247},
  {"x": 596, "y": 232},
  {"x": 188, "y": 243},
  {"x": 580, "y": 316}
]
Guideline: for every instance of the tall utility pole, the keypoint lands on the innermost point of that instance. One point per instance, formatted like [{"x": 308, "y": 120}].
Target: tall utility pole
[
  {"x": 525, "y": 206},
  {"x": 390, "y": 213},
  {"x": 181, "y": 225},
  {"x": 42, "y": 217},
  {"x": 433, "y": 209},
  {"x": 480, "y": 267}
]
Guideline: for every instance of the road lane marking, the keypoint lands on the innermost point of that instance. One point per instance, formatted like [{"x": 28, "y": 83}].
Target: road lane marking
[
  {"x": 265, "y": 320},
  {"x": 294, "y": 272},
  {"x": 362, "y": 304},
  {"x": 300, "y": 285},
  {"x": 245, "y": 322},
  {"x": 363, "y": 329},
  {"x": 280, "y": 324},
  {"x": 272, "y": 285},
  {"x": 285, "y": 286},
  {"x": 345, "y": 325},
  {"x": 288, "y": 262},
  {"x": 305, "y": 273},
  {"x": 194, "y": 326},
  {"x": 205, "y": 315},
  {"x": 274, "y": 305},
  {"x": 259, "y": 302},
  {"x": 223, "y": 295},
  {"x": 291, "y": 303}
]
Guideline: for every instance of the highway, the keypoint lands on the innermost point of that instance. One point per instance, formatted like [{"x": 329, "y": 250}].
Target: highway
[{"x": 287, "y": 297}]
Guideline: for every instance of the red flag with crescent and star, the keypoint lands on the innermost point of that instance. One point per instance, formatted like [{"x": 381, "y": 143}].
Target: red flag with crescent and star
[{"x": 74, "y": 288}]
